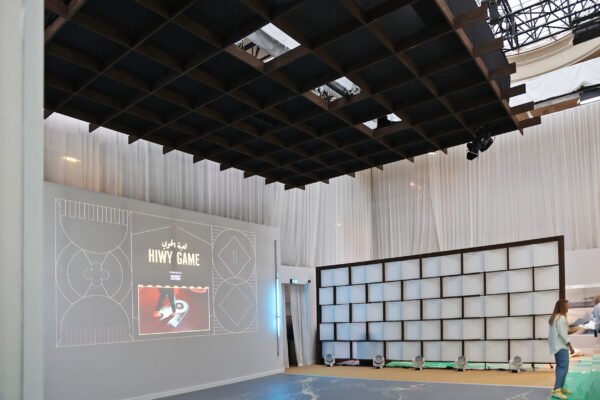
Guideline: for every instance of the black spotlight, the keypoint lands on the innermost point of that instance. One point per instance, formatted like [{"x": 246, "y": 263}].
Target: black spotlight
[
  {"x": 472, "y": 150},
  {"x": 383, "y": 121}
]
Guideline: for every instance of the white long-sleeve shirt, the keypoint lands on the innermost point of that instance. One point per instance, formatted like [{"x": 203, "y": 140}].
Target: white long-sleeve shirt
[
  {"x": 596, "y": 314},
  {"x": 557, "y": 334}
]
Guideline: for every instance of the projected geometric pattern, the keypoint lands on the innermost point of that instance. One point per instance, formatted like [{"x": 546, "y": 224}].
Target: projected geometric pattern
[
  {"x": 234, "y": 280},
  {"x": 95, "y": 272}
]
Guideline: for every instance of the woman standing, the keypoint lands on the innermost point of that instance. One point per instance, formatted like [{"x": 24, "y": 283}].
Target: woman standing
[
  {"x": 596, "y": 315},
  {"x": 560, "y": 346}
]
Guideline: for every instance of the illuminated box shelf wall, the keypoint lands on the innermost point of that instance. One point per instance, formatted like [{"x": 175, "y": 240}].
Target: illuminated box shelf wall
[{"x": 488, "y": 303}]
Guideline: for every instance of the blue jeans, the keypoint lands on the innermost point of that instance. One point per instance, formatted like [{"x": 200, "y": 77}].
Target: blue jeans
[{"x": 562, "y": 367}]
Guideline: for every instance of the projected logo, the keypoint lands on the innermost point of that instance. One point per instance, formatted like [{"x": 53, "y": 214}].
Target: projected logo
[
  {"x": 93, "y": 274},
  {"x": 172, "y": 309},
  {"x": 234, "y": 281}
]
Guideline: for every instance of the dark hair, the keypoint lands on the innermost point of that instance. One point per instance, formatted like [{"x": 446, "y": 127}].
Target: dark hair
[{"x": 560, "y": 308}]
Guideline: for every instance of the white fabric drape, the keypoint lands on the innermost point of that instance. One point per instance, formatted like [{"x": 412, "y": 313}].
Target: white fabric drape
[
  {"x": 300, "y": 323},
  {"x": 544, "y": 183},
  {"x": 559, "y": 82},
  {"x": 325, "y": 224}
]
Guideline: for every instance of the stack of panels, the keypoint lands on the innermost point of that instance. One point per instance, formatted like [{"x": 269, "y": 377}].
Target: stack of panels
[{"x": 488, "y": 305}]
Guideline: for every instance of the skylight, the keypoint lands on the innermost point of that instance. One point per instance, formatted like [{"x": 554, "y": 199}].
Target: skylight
[{"x": 268, "y": 43}]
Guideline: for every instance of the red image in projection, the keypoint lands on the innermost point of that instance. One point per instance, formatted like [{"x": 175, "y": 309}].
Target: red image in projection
[{"x": 173, "y": 309}]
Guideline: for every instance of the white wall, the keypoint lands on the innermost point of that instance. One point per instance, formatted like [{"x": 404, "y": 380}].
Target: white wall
[
  {"x": 303, "y": 275},
  {"x": 158, "y": 366},
  {"x": 582, "y": 267}
]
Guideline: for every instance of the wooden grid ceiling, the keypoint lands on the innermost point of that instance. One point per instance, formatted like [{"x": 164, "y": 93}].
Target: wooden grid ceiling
[{"x": 171, "y": 73}]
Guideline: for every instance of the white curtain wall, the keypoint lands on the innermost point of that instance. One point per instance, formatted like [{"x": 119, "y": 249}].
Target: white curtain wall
[
  {"x": 544, "y": 183},
  {"x": 324, "y": 224}
]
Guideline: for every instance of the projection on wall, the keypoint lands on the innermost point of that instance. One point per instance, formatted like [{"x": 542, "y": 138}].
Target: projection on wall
[
  {"x": 488, "y": 303},
  {"x": 124, "y": 276}
]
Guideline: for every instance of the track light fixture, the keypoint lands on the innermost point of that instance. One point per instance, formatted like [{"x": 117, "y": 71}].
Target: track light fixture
[{"x": 481, "y": 143}]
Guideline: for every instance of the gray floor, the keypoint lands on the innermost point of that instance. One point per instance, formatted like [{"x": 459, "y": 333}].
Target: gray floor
[{"x": 305, "y": 387}]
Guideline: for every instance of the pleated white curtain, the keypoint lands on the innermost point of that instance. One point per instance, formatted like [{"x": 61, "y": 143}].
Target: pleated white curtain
[
  {"x": 300, "y": 323},
  {"x": 544, "y": 183},
  {"x": 325, "y": 224}
]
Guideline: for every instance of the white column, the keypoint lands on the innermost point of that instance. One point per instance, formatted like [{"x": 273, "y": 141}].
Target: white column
[{"x": 21, "y": 196}]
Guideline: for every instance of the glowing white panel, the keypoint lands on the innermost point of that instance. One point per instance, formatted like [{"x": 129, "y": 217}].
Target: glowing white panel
[
  {"x": 452, "y": 286},
  {"x": 392, "y": 291},
  {"x": 374, "y": 273},
  {"x": 376, "y": 331},
  {"x": 394, "y": 351},
  {"x": 328, "y": 313},
  {"x": 472, "y": 285},
  {"x": 410, "y": 350},
  {"x": 521, "y": 304},
  {"x": 342, "y": 294},
  {"x": 412, "y": 290},
  {"x": 523, "y": 349},
  {"x": 496, "y": 306},
  {"x": 340, "y": 276},
  {"x": 326, "y": 296},
  {"x": 393, "y": 271},
  {"x": 411, "y": 269},
  {"x": 430, "y": 330},
  {"x": 357, "y": 294},
  {"x": 543, "y": 302},
  {"x": 432, "y": 309},
  {"x": 352, "y": 331},
  {"x": 327, "y": 348},
  {"x": 394, "y": 311},
  {"x": 520, "y": 257},
  {"x": 359, "y": 274},
  {"x": 497, "y": 282},
  {"x": 496, "y": 351},
  {"x": 375, "y": 312},
  {"x": 431, "y": 267},
  {"x": 412, "y": 330},
  {"x": 546, "y": 278},
  {"x": 326, "y": 331},
  {"x": 495, "y": 260},
  {"x": 541, "y": 326},
  {"x": 392, "y": 331},
  {"x": 411, "y": 310},
  {"x": 326, "y": 277},
  {"x": 473, "y": 329},
  {"x": 545, "y": 253},
  {"x": 497, "y": 328},
  {"x": 342, "y": 350},
  {"x": 450, "y": 264},
  {"x": 451, "y": 350},
  {"x": 520, "y": 280},
  {"x": 474, "y": 307},
  {"x": 472, "y": 262},
  {"x": 342, "y": 313},
  {"x": 453, "y": 329},
  {"x": 359, "y": 312},
  {"x": 376, "y": 292},
  {"x": 430, "y": 288},
  {"x": 541, "y": 354},
  {"x": 451, "y": 308},
  {"x": 475, "y": 351},
  {"x": 367, "y": 350},
  {"x": 432, "y": 351},
  {"x": 521, "y": 328}
]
